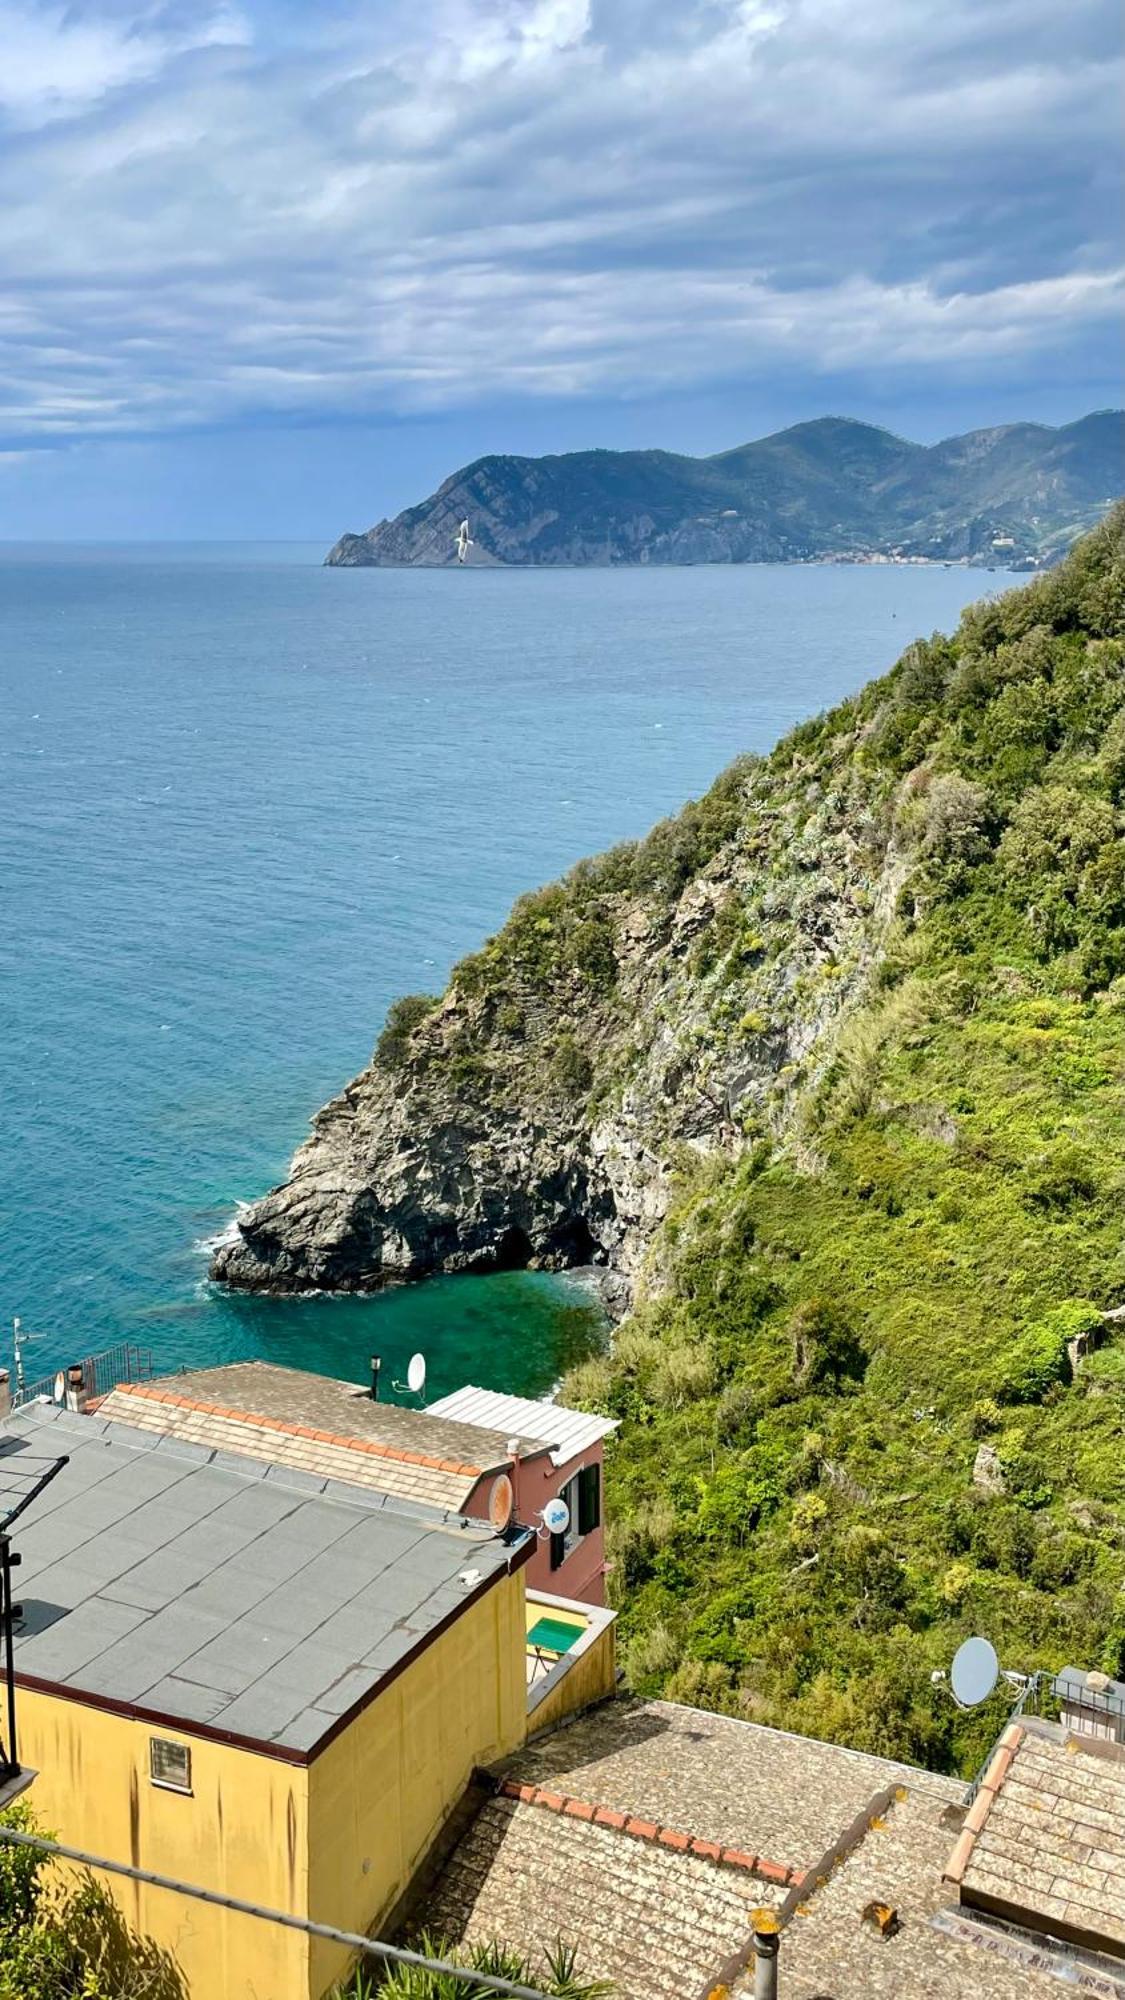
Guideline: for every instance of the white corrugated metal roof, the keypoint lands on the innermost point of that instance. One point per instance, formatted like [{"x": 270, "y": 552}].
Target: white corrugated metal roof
[{"x": 568, "y": 1432}]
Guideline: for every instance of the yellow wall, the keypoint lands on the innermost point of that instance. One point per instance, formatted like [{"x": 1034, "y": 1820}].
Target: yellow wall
[
  {"x": 337, "y": 1840},
  {"x": 379, "y": 1794},
  {"x": 589, "y": 1678},
  {"x": 243, "y": 1831}
]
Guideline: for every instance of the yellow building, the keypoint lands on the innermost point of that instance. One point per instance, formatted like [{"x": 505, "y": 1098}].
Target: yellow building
[{"x": 258, "y": 1682}]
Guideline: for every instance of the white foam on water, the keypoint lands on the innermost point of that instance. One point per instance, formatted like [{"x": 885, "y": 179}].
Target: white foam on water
[{"x": 205, "y": 1246}]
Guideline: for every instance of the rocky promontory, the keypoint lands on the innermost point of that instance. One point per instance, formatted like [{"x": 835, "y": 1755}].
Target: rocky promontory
[
  {"x": 665, "y": 998},
  {"x": 1012, "y": 496}
]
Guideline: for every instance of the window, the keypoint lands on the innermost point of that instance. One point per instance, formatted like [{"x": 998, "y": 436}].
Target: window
[
  {"x": 589, "y": 1499},
  {"x": 583, "y": 1496},
  {"x": 169, "y": 1764}
]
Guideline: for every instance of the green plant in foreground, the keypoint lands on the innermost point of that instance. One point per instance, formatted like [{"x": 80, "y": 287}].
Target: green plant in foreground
[
  {"x": 555, "y": 1974},
  {"x": 69, "y": 1942}
]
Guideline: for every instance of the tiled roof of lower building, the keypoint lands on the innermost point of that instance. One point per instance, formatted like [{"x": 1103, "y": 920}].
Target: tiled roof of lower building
[
  {"x": 342, "y": 1409},
  {"x": 653, "y": 1920},
  {"x": 760, "y": 1790},
  {"x": 165, "y": 1410},
  {"x": 1044, "y": 1842},
  {"x": 646, "y": 1834}
]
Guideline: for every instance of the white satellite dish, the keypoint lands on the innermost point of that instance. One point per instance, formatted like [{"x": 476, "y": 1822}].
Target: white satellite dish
[
  {"x": 974, "y": 1673},
  {"x": 556, "y": 1517},
  {"x": 416, "y": 1374},
  {"x": 60, "y": 1387}
]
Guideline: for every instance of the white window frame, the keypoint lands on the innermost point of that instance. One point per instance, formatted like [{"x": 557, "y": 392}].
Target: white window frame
[{"x": 158, "y": 1744}]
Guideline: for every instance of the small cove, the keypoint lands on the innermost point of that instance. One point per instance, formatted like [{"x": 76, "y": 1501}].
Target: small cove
[{"x": 245, "y": 802}]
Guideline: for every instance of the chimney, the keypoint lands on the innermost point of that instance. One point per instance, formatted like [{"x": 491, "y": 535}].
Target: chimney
[
  {"x": 376, "y": 1364},
  {"x": 5, "y": 1394},
  {"x": 767, "y": 1938},
  {"x": 76, "y": 1389}
]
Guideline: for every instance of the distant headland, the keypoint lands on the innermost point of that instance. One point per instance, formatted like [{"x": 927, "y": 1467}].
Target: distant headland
[{"x": 833, "y": 490}]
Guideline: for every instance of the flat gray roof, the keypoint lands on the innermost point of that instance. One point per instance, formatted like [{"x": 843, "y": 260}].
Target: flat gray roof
[{"x": 225, "y": 1594}]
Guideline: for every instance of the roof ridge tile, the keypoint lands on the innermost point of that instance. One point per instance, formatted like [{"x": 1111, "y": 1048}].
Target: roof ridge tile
[{"x": 647, "y": 1830}]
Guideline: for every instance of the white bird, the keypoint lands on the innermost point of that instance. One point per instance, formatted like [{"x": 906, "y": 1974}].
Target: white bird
[{"x": 464, "y": 541}]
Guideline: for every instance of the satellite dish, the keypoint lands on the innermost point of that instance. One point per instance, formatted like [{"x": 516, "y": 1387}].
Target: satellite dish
[
  {"x": 60, "y": 1387},
  {"x": 556, "y": 1517},
  {"x": 416, "y": 1374},
  {"x": 501, "y": 1500},
  {"x": 974, "y": 1673}
]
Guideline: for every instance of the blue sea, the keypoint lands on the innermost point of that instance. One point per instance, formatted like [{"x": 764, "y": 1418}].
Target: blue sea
[{"x": 245, "y": 801}]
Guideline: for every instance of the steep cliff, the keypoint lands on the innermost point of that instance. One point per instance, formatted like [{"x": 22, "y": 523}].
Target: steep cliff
[
  {"x": 1016, "y": 494},
  {"x": 669, "y": 999},
  {"x": 667, "y": 996}
]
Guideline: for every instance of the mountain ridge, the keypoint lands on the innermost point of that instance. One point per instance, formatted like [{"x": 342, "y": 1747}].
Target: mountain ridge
[{"x": 831, "y": 488}]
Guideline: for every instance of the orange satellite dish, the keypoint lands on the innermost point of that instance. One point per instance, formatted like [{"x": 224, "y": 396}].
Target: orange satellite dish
[{"x": 501, "y": 1501}]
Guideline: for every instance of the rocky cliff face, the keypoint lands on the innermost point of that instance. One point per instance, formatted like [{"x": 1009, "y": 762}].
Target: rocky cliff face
[{"x": 668, "y": 996}]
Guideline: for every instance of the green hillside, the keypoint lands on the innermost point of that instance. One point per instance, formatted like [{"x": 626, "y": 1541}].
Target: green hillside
[
  {"x": 832, "y": 488},
  {"x": 844, "y": 1319}
]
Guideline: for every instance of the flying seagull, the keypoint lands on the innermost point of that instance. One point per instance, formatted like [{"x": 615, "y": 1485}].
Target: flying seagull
[{"x": 464, "y": 541}]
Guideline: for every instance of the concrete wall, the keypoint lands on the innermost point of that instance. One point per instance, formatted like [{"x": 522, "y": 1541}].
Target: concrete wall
[
  {"x": 243, "y": 1830},
  {"x": 585, "y": 1675}
]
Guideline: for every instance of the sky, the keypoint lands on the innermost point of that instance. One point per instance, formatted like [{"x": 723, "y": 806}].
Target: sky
[{"x": 274, "y": 269}]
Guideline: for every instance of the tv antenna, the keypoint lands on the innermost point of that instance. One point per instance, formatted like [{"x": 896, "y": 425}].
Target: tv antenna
[
  {"x": 20, "y": 1340},
  {"x": 555, "y": 1517},
  {"x": 415, "y": 1377}
]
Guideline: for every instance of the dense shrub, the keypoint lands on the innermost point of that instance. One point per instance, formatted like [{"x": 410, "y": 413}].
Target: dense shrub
[
  {"x": 1038, "y": 1356},
  {"x": 403, "y": 1016}
]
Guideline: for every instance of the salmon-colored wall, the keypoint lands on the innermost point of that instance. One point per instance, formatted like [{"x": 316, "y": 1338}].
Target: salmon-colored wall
[{"x": 535, "y": 1481}]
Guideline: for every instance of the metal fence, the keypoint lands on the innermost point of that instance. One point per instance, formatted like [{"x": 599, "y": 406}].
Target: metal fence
[{"x": 126, "y": 1362}]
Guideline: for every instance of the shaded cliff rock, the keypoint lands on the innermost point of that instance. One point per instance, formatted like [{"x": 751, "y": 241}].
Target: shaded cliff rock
[
  {"x": 1017, "y": 494},
  {"x": 666, "y": 996}
]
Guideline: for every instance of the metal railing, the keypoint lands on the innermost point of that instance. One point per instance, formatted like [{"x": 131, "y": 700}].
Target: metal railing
[
  {"x": 125, "y": 1362},
  {"x": 1044, "y": 1695}
]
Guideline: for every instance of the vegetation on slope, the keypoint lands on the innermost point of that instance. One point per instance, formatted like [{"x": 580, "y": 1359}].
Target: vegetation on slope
[{"x": 885, "y": 1276}]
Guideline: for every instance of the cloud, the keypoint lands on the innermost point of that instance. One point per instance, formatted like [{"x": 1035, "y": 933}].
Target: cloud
[{"x": 207, "y": 215}]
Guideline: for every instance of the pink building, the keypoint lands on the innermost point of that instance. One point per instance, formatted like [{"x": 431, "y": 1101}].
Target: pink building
[{"x": 555, "y": 1453}]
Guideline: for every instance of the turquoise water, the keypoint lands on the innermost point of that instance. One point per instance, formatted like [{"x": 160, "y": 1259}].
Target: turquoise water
[{"x": 244, "y": 801}]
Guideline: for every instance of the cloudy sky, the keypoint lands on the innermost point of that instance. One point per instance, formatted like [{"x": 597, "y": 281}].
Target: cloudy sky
[{"x": 275, "y": 267}]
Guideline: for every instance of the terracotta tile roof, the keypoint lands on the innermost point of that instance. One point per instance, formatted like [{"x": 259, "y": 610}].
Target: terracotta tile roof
[
  {"x": 411, "y": 1475},
  {"x": 1044, "y": 1841},
  {"x": 646, "y": 1833},
  {"x": 923, "y": 1949},
  {"x": 777, "y": 1872},
  {"x": 344, "y": 1409},
  {"x": 652, "y": 1918},
  {"x": 759, "y": 1790}
]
